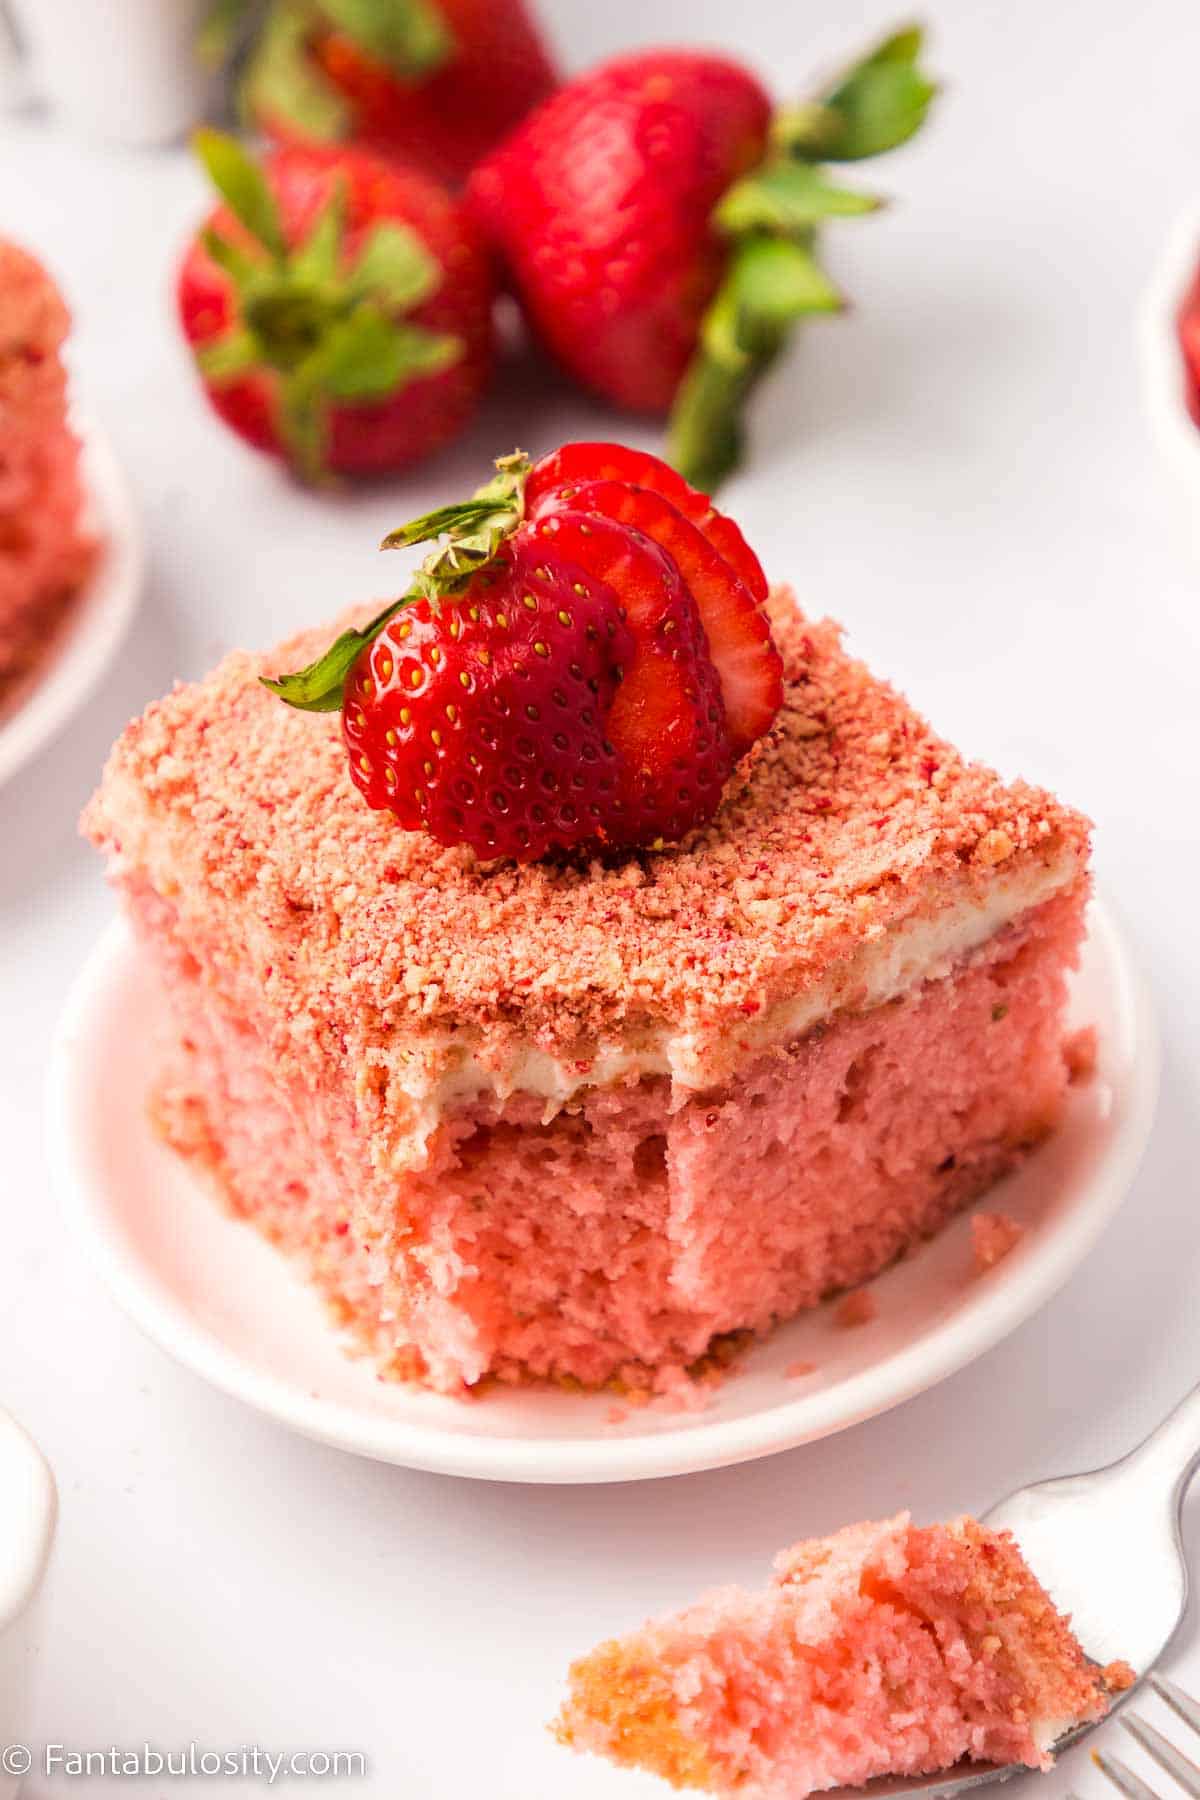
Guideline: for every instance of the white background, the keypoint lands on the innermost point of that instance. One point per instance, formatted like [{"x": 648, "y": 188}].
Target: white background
[{"x": 960, "y": 471}]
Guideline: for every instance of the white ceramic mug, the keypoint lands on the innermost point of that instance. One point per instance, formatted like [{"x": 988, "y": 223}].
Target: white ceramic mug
[
  {"x": 125, "y": 71},
  {"x": 27, "y": 1513}
]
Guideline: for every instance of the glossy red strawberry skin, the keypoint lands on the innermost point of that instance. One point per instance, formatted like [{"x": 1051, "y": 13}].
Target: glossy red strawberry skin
[
  {"x": 600, "y": 206},
  {"x": 500, "y": 69},
  {"x": 591, "y": 461},
  {"x": 564, "y": 699},
  {"x": 737, "y": 633},
  {"x": 667, "y": 721},
  {"x": 365, "y": 438},
  {"x": 1188, "y": 326},
  {"x": 486, "y": 721}
]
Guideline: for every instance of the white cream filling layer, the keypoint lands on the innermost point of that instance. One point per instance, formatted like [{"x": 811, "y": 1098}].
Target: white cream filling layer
[{"x": 891, "y": 961}]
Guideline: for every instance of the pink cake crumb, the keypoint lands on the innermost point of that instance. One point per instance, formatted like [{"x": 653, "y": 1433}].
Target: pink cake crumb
[
  {"x": 858, "y": 1308},
  {"x": 45, "y": 553},
  {"x": 887, "y": 1649},
  {"x": 798, "y": 1370},
  {"x": 993, "y": 1235},
  {"x": 1080, "y": 1051}
]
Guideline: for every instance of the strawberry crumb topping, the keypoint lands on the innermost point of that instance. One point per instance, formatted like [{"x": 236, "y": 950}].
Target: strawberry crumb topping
[
  {"x": 993, "y": 1235},
  {"x": 858, "y": 1308},
  {"x": 1080, "y": 1052}
]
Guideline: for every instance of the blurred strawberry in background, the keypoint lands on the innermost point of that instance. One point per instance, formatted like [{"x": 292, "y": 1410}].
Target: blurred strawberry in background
[
  {"x": 434, "y": 82},
  {"x": 1189, "y": 343},
  {"x": 658, "y": 222},
  {"x": 338, "y": 307}
]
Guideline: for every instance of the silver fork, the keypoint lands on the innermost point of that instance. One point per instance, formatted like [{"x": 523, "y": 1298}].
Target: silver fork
[
  {"x": 1181, "y": 1767},
  {"x": 1107, "y": 1547}
]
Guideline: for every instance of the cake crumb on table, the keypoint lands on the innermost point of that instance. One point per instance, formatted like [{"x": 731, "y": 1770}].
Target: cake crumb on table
[
  {"x": 1079, "y": 1053},
  {"x": 858, "y": 1308},
  {"x": 993, "y": 1235}
]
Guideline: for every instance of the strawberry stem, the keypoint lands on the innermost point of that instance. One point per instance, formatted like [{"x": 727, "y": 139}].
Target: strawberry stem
[
  {"x": 476, "y": 528},
  {"x": 771, "y": 217},
  {"x": 770, "y": 284}
]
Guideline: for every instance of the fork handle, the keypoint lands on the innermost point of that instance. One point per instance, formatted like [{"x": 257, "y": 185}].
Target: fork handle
[{"x": 1170, "y": 1455}]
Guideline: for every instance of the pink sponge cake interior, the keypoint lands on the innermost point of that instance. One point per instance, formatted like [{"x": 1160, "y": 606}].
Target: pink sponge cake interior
[
  {"x": 44, "y": 551},
  {"x": 888, "y": 1649},
  {"x": 583, "y": 1120}
]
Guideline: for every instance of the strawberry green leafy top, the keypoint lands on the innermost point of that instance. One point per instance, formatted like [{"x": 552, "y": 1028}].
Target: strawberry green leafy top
[
  {"x": 331, "y": 329},
  {"x": 279, "y": 78},
  {"x": 771, "y": 217}
]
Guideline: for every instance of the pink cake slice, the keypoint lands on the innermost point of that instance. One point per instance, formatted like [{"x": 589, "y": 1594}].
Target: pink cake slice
[
  {"x": 887, "y": 1649},
  {"x": 585, "y": 1121},
  {"x": 45, "y": 553}
]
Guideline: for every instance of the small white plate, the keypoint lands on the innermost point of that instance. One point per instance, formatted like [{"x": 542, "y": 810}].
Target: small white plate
[
  {"x": 1163, "y": 370},
  {"x": 88, "y": 637},
  {"x": 209, "y": 1291}
]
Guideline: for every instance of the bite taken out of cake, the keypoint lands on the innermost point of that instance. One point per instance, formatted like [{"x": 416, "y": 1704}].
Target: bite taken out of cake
[
  {"x": 674, "y": 975},
  {"x": 45, "y": 550},
  {"x": 887, "y": 1649}
]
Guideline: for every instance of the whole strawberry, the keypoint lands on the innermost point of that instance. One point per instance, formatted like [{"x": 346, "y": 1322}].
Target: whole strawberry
[
  {"x": 580, "y": 665},
  {"x": 659, "y": 225},
  {"x": 338, "y": 308},
  {"x": 431, "y": 82}
]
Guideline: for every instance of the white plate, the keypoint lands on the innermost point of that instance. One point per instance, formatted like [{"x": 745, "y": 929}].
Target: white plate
[
  {"x": 90, "y": 634},
  {"x": 1163, "y": 372},
  {"x": 209, "y": 1291}
]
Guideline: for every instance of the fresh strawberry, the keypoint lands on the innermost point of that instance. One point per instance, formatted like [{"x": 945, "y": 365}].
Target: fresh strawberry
[
  {"x": 738, "y": 635},
  {"x": 431, "y": 82},
  {"x": 577, "y": 666},
  {"x": 486, "y": 722},
  {"x": 602, "y": 203},
  {"x": 338, "y": 308},
  {"x": 616, "y": 462},
  {"x": 659, "y": 226}
]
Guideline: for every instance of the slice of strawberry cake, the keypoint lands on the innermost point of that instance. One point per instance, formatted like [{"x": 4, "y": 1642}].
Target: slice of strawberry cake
[
  {"x": 674, "y": 975},
  {"x": 45, "y": 553},
  {"x": 887, "y": 1649}
]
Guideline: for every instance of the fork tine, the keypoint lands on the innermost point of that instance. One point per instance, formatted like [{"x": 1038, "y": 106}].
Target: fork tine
[
  {"x": 1177, "y": 1700},
  {"x": 1165, "y": 1754},
  {"x": 1123, "y": 1777}
]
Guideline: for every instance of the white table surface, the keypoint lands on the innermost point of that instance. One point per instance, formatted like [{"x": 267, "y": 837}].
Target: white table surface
[{"x": 959, "y": 471}]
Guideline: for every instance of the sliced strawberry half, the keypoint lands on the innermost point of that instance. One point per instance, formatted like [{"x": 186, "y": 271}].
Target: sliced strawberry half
[
  {"x": 667, "y": 721},
  {"x": 616, "y": 462},
  {"x": 738, "y": 633}
]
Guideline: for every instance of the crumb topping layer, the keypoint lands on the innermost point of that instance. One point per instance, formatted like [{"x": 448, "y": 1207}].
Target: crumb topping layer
[{"x": 852, "y": 817}]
